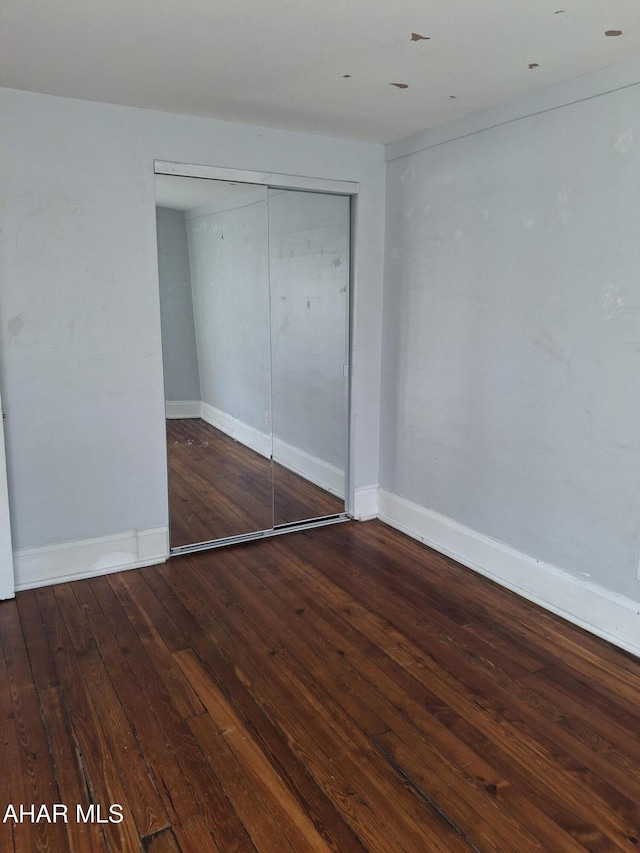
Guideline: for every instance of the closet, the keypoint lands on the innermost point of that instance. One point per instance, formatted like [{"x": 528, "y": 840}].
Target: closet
[{"x": 254, "y": 303}]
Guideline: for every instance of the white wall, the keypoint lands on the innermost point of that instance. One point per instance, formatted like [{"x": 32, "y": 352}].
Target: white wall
[
  {"x": 229, "y": 260},
  {"x": 81, "y": 364},
  {"x": 511, "y": 343},
  {"x": 179, "y": 353},
  {"x": 309, "y": 279}
]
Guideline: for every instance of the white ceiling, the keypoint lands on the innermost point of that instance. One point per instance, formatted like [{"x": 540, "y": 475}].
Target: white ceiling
[
  {"x": 282, "y": 63},
  {"x": 179, "y": 193}
]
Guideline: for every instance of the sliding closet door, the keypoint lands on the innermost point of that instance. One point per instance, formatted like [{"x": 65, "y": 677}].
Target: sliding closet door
[
  {"x": 214, "y": 296},
  {"x": 309, "y": 280}
]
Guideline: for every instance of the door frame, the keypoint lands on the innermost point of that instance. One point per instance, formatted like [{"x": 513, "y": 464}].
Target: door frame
[{"x": 7, "y": 576}]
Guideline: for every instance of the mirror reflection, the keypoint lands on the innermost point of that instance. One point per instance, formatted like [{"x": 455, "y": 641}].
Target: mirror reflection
[
  {"x": 309, "y": 277},
  {"x": 253, "y": 296}
]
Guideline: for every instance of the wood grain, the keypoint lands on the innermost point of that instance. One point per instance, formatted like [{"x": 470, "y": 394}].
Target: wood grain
[{"x": 341, "y": 689}]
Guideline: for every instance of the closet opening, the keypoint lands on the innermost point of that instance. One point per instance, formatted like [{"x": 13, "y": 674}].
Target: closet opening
[{"x": 254, "y": 282}]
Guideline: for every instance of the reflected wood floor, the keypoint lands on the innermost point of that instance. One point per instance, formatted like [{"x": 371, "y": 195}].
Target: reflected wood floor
[
  {"x": 340, "y": 689},
  {"x": 218, "y": 487}
]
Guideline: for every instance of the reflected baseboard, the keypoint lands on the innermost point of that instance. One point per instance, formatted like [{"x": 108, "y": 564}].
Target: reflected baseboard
[
  {"x": 177, "y": 409},
  {"x": 317, "y": 471},
  {"x": 249, "y": 436},
  {"x": 314, "y": 469}
]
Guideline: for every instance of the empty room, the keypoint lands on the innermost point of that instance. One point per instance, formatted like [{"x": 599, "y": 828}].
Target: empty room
[{"x": 320, "y": 446}]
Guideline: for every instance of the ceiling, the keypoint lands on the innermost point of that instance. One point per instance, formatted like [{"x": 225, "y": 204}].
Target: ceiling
[
  {"x": 180, "y": 193},
  {"x": 323, "y": 66}
]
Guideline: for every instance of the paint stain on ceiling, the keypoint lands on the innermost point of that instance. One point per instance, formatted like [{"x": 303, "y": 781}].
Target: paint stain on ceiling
[{"x": 184, "y": 57}]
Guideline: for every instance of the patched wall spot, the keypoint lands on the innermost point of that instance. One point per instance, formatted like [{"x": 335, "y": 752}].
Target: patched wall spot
[{"x": 15, "y": 325}]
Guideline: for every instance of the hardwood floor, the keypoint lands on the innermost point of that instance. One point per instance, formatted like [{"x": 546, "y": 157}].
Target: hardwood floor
[
  {"x": 218, "y": 487},
  {"x": 341, "y": 689}
]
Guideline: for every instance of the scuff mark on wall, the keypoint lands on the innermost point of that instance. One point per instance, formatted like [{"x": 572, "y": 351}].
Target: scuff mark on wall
[
  {"x": 547, "y": 345},
  {"x": 624, "y": 140}
]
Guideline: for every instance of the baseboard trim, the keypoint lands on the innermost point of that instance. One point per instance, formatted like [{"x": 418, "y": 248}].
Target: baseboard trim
[
  {"x": 177, "y": 409},
  {"x": 87, "y": 558},
  {"x": 613, "y": 617},
  {"x": 365, "y": 503},
  {"x": 236, "y": 429},
  {"x": 323, "y": 474}
]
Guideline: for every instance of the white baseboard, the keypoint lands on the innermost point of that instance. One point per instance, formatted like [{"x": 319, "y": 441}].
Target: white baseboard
[
  {"x": 247, "y": 435},
  {"x": 175, "y": 409},
  {"x": 365, "y": 503},
  {"x": 87, "y": 558},
  {"x": 312, "y": 468},
  {"x": 608, "y": 615}
]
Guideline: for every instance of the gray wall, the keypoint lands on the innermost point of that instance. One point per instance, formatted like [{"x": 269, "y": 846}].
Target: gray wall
[
  {"x": 179, "y": 355},
  {"x": 80, "y": 351},
  {"x": 229, "y": 260},
  {"x": 511, "y": 343},
  {"x": 309, "y": 268}
]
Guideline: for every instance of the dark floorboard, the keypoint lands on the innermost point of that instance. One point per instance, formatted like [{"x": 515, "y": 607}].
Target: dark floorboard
[{"x": 343, "y": 689}]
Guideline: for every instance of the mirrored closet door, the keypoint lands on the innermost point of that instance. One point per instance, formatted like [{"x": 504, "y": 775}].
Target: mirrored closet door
[{"x": 254, "y": 295}]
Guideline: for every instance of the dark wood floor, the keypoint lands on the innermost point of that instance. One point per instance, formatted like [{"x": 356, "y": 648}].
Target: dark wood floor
[
  {"x": 218, "y": 487},
  {"x": 341, "y": 689}
]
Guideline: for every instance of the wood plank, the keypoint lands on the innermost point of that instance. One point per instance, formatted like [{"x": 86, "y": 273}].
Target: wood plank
[
  {"x": 236, "y": 682},
  {"x": 163, "y": 842},
  {"x": 193, "y": 834},
  {"x": 142, "y": 716},
  {"x": 201, "y": 790},
  {"x": 11, "y": 787},
  {"x": 263, "y": 778},
  {"x": 302, "y": 728},
  {"x": 97, "y": 760},
  {"x": 83, "y": 837},
  {"x": 441, "y": 753},
  {"x": 468, "y": 691},
  {"x": 146, "y": 805},
  {"x": 413, "y": 710},
  {"x": 403, "y": 816},
  {"x": 38, "y": 778},
  {"x": 183, "y": 697},
  {"x": 251, "y": 808},
  {"x": 42, "y": 664}
]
